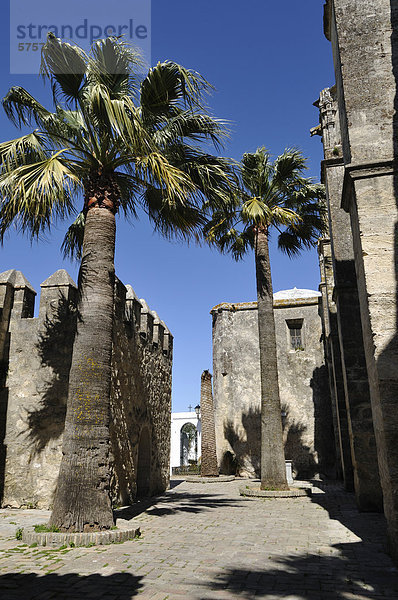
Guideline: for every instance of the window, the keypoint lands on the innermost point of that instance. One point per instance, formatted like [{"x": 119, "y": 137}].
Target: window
[{"x": 296, "y": 340}]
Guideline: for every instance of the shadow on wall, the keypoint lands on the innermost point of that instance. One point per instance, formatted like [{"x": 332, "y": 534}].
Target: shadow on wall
[
  {"x": 3, "y": 416},
  {"x": 245, "y": 442},
  {"x": 244, "y": 456},
  {"x": 324, "y": 443},
  {"x": 55, "y": 350},
  {"x": 301, "y": 455}
]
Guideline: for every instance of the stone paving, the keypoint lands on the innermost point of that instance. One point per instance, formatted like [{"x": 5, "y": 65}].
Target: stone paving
[{"x": 204, "y": 541}]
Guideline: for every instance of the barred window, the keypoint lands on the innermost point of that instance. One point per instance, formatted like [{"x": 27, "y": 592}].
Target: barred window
[{"x": 296, "y": 334}]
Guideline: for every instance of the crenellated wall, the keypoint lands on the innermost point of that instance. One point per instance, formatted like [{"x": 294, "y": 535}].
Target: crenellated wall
[{"x": 35, "y": 355}]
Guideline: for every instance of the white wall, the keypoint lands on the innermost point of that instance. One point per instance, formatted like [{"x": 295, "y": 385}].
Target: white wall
[{"x": 178, "y": 420}]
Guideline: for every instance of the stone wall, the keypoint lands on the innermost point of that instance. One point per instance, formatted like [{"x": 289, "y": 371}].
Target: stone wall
[
  {"x": 36, "y": 361},
  {"x": 364, "y": 37},
  {"x": 303, "y": 382},
  {"x": 345, "y": 339}
]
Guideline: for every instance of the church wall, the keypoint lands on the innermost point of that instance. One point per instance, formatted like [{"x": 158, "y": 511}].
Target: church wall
[
  {"x": 303, "y": 382},
  {"x": 364, "y": 41}
]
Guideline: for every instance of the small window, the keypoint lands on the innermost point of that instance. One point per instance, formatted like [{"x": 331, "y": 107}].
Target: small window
[{"x": 296, "y": 339}]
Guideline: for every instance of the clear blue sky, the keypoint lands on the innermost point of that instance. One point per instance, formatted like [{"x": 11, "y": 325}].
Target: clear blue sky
[{"x": 268, "y": 61}]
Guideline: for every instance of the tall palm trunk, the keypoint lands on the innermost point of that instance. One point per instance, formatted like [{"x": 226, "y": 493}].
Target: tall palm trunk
[
  {"x": 82, "y": 499},
  {"x": 273, "y": 471}
]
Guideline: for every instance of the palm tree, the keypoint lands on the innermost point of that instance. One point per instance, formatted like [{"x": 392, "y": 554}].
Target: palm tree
[
  {"x": 117, "y": 143},
  {"x": 275, "y": 195}
]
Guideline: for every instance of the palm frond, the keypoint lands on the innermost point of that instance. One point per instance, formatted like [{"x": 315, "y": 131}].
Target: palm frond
[
  {"x": 65, "y": 65},
  {"x": 169, "y": 86},
  {"x": 256, "y": 170},
  {"x": 255, "y": 211},
  {"x": 193, "y": 126},
  {"x": 27, "y": 149},
  {"x": 289, "y": 166},
  {"x": 73, "y": 241},
  {"x": 32, "y": 196},
  {"x": 215, "y": 177},
  {"x": 181, "y": 221},
  {"x": 130, "y": 189},
  {"x": 22, "y": 108},
  {"x": 222, "y": 233},
  {"x": 156, "y": 171},
  {"x": 281, "y": 215},
  {"x": 119, "y": 120},
  {"x": 289, "y": 243},
  {"x": 115, "y": 64}
]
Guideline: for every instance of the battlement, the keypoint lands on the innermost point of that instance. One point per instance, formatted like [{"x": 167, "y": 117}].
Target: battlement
[
  {"x": 35, "y": 360},
  {"x": 17, "y": 301}
]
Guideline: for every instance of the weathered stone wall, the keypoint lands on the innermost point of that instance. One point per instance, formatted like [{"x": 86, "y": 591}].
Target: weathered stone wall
[
  {"x": 303, "y": 382},
  {"x": 34, "y": 392},
  {"x": 345, "y": 341},
  {"x": 364, "y": 36},
  {"x": 141, "y": 398}
]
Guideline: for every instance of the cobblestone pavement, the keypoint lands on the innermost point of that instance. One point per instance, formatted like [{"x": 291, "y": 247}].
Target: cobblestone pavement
[{"x": 203, "y": 541}]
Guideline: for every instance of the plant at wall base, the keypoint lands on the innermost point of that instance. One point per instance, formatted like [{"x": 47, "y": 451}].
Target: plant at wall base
[
  {"x": 118, "y": 143},
  {"x": 275, "y": 195}
]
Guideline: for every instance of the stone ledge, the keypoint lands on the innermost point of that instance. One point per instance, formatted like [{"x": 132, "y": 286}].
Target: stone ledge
[
  {"x": 199, "y": 479},
  {"x": 96, "y": 538},
  {"x": 255, "y": 492}
]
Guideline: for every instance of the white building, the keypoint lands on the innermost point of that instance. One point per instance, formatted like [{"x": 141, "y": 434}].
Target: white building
[{"x": 185, "y": 438}]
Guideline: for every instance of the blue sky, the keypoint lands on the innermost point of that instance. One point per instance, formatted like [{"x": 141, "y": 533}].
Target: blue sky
[{"x": 268, "y": 62}]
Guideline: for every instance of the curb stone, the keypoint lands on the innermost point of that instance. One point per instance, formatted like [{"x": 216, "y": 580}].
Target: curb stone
[{"x": 96, "y": 538}]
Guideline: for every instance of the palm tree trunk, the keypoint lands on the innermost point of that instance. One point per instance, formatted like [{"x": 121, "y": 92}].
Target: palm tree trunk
[
  {"x": 82, "y": 499},
  {"x": 273, "y": 470}
]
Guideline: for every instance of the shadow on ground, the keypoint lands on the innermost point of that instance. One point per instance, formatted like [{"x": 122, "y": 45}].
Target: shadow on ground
[
  {"x": 313, "y": 577},
  {"x": 358, "y": 570},
  {"x": 178, "y": 502},
  {"x": 16, "y": 586},
  {"x": 342, "y": 507}
]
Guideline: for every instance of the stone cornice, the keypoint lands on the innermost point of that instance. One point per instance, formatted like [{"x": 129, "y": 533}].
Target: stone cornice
[
  {"x": 327, "y": 19},
  {"x": 328, "y": 163},
  {"x": 283, "y": 303},
  {"x": 367, "y": 170}
]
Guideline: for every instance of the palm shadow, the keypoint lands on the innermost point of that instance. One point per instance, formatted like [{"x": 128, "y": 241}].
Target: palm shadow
[
  {"x": 296, "y": 450},
  {"x": 55, "y": 345},
  {"x": 174, "y": 503},
  {"x": 314, "y": 577},
  {"x": 245, "y": 444},
  {"x": 358, "y": 569},
  {"x": 30, "y": 586}
]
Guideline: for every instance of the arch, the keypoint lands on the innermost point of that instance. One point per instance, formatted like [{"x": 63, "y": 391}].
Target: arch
[
  {"x": 144, "y": 464},
  {"x": 188, "y": 444}
]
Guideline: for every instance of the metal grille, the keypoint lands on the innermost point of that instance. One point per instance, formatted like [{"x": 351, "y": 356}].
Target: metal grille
[{"x": 296, "y": 339}]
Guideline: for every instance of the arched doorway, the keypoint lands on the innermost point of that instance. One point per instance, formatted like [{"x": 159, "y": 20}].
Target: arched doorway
[
  {"x": 144, "y": 464},
  {"x": 188, "y": 445}
]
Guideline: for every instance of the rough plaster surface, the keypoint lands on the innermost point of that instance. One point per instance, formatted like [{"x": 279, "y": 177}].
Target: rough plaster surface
[{"x": 303, "y": 385}]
